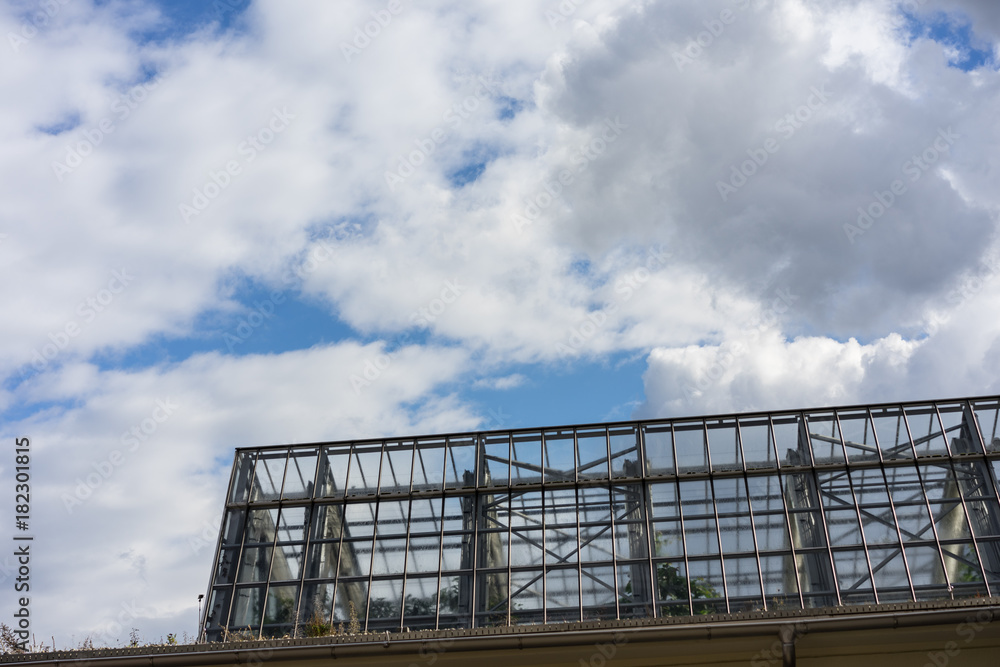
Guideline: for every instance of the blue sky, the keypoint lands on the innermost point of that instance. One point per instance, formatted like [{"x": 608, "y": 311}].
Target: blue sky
[{"x": 299, "y": 222}]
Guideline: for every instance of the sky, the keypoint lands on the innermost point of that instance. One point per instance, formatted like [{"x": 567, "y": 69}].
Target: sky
[{"x": 250, "y": 222}]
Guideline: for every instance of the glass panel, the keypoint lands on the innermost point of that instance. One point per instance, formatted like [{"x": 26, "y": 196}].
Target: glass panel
[
  {"x": 458, "y": 513},
  {"x": 493, "y": 549},
  {"x": 786, "y": 440},
  {"x": 664, "y": 498},
  {"x": 292, "y": 525},
  {"x": 807, "y": 529},
  {"x": 269, "y": 473},
  {"x": 758, "y": 446},
  {"x": 824, "y": 435},
  {"x": 668, "y": 539},
  {"x": 225, "y": 571},
  {"x": 526, "y": 458},
  {"x": 322, "y": 562},
  {"x": 624, "y": 451},
  {"x": 891, "y": 431},
  {"x": 859, "y": 438},
  {"x": 926, "y": 430},
  {"x": 232, "y": 533},
  {"x": 724, "y": 446},
  {"x": 460, "y": 463},
  {"x": 939, "y": 481},
  {"x": 853, "y": 576},
  {"x": 428, "y": 465},
  {"x": 743, "y": 585},
  {"x": 241, "y": 479},
  {"x": 287, "y": 565},
  {"x": 389, "y": 556},
  {"x": 456, "y": 552},
  {"x": 397, "y": 462},
  {"x": 281, "y": 603},
  {"x": 217, "y": 611},
  {"x": 260, "y": 526},
  {"x": 631, "y": 540},
  {"x": 300, "y": 473},
  {"x": 351, "y": 603},
  {"x": 989, "y": 425},
  {"x": 700, "y": 537},
  {"x": 696, "y": 498},
  {"x": 317, "y": 604},
  {"x": 492, "y": 604},
  {"x": 327, "y": 523},
  {"x": 780, "y": 587},
  {"x": 332, "y": 476},
  {"x": 496, "y": 460},
  {"x": 771, "y": 531},
  {"x": 592, "y": 453},
  {"x": 963, "y": 568},
  {"x": 765, "y": 493},
  {"x": 928, "y": 575},
  {"x": 690, "y": 442},
  {"x": 954, "y": 417},
  {"x": 598, "y": 593},
  {"x": 843, "y": 526},
  {"x": 385, "y": 604},
  {"x": 672, "y": 588},
  {"x": 562, "y": 595},
  {"x": 355, "y": 558},
  {"x": 891, "y": 581},
  {"x": 635, "y": 593},
  {"x": 659, "y": 449},
  {"x": 420, "y": 602},
  {"x": 360, "y": 520},
  {"x": 247, "y": 608},
  {"x": 392, "y": 517},
  {"x": 559, "y": 458},
  {"x": 735, "y": 536},
  {"x": 707, "y": 588},
  {"x": 363, "y": 477},
  {"x": 526, "y": 547},
  {"x": 526, "y": 595},
  {"x": 425, "y": 515},
  {"x": 255, "y": 565},
  {"x": 731, "y": 496},
  {"x": 456, "y": 603},
  {"x": 423, "y": 555}
]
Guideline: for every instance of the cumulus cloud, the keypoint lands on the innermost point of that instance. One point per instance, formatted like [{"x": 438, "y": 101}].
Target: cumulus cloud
[{"x": 777, "y": 203}]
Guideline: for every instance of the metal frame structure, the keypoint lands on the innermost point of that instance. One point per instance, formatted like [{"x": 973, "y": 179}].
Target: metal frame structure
[{"x": 721, "y": 514}]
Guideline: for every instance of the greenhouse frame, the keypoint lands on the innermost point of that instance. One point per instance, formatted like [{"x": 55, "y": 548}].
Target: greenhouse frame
[{"x": 725, "y": 514}]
